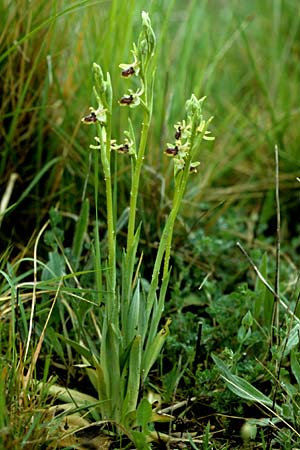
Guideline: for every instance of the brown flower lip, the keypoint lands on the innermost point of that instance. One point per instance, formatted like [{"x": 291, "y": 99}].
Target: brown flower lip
[
  {"x": 91, "y": 118},
  {"x": 123, "y": 149},
  {"x": 128, "y": 72},
  {"x": 171, "y": 151},
  {"x": 178, "y": 133},
  {"x": 127, "y": 100}
]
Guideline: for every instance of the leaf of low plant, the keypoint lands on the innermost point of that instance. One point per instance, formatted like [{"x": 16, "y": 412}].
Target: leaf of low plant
[
  {"x": 33, "y": 183},
  {"x": 151, "y": 354},
  {"x": 292, "y": 339},
  {"x": 134, "y": 375},
  {"x": 140, "y": 440},
  {"x": 160, "y": 417},
  {"x": 264, "y": 300},
  {"x": 158, "y": 307},
  {"x": 133, "y": 316},
  {"x": 295, "y": 366},
  {"x": 55, "y": 267},
  {"x": 53, "y": 338},
  {"x": 128, "y": 261},
  {"x": 247, "y": 320},
  {"x": 80, "y": 349},
  {"x": 110, "y": 364},
  {"x": 71, "y": 395},
  {"x": 80, "y": 230},
  {"x": 221, "y": 365},
  {"x": 102, "y": 391},
  {"x": 245, "y": 390},
  {"x": 143, "y": 325},
  {"x": 241, "y": 387},
  {"x": 144, "y": 414}
]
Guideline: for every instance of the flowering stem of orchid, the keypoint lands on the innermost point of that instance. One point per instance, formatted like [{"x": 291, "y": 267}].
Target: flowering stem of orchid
[
  {"x": 181, "y": 180},
  {"x": 136, "y": 179},
  {"x": 105, "y": 158},
  {"x": 129, "y": 322},
  {"x": 193, "y": 133},
  {"x": 143, "y": 54},
  {"x": 167, "y": 235},
  {"x": 170, "y": 226},
  {"x": 102, "y": 117},
  {"x": 97, "y": 240}
]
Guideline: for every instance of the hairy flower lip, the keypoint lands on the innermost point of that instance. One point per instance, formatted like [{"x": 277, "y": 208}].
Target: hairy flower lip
[
  {"x": 171, "y": 151},
  {"x": 90, "y": 118},
  {"x": 178, "y": 133},
  {"x": 96, "y": 115},
  {"x": 127, "y": 100},
  {"x": 128, "y": 72},
  {"x": 133, "y": 68},
  {"x": 122, "y": 148}
]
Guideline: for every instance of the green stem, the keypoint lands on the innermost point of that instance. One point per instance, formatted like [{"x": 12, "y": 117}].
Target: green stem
[
  {"x": 110, "y": 210},
  {"x": 178, "y": 195},
  {"x": 180, "y": 186},
  {"x": 105, "y": 158},
  {"x": 165, "y": 241},
  {"x": 136, "y": 178},
  {"x": 97, "y": 237}
]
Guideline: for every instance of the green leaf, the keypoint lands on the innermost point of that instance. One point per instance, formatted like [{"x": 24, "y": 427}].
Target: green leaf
[
  {"x": 158, "y": 307},
  {"x": 128, "y": 262},
  {"x": 102, "y": 391},
  {"x": 140, "y": 440},
  {"x": 35, "y": 181},
  {"x": 264, "y": 299},
  {"x": 80, "y": 230},
  {"x": 134, "y": 376},
  {"x": 153, "y": 350},
  {"x": 144, "y": 414},
  {"x": 243, "y": 334},
  {"x": 245, "y": 390},
  {"x": 133, "y": 316},
  {"x": 71, "y": 395},
  {"x": 247, "y": 320},
  {"x": 241, "y": 387},
  {"x": 292, "y": 339},
  {"x": 55, "y": 267},
  {"x": 295, "y": 366},
  {"x": 54, "y": 341},
  {"x": 80, "y": 349},
  {"x": 110, "y": 364}
]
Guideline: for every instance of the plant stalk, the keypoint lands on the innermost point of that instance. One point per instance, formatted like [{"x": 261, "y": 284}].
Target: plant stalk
[{"x": 136, "y": 178}]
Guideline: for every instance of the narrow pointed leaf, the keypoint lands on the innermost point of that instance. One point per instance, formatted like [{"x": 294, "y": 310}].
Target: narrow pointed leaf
[
  {"x": 133, "y": 316},
  {"x": 154, "y": 349},
  {"x": 295, "y": 366},
  {"x": 144, "y": 414},
  {"x": 80, "y": 230},
  {"x": 134, "y": 377},
  {"x": 241, "y": 387}
]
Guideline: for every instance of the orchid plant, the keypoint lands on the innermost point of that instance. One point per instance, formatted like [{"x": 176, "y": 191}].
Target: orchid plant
[{"x": 129, "y": 309}]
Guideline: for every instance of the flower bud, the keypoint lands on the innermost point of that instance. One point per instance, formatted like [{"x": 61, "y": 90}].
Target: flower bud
[
  {"x": 103, "y": 87},
  {"x": 149, "y": 33}
]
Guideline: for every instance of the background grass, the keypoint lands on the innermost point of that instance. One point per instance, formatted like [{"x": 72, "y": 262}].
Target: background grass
[{"x": 244, "y": 56}]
